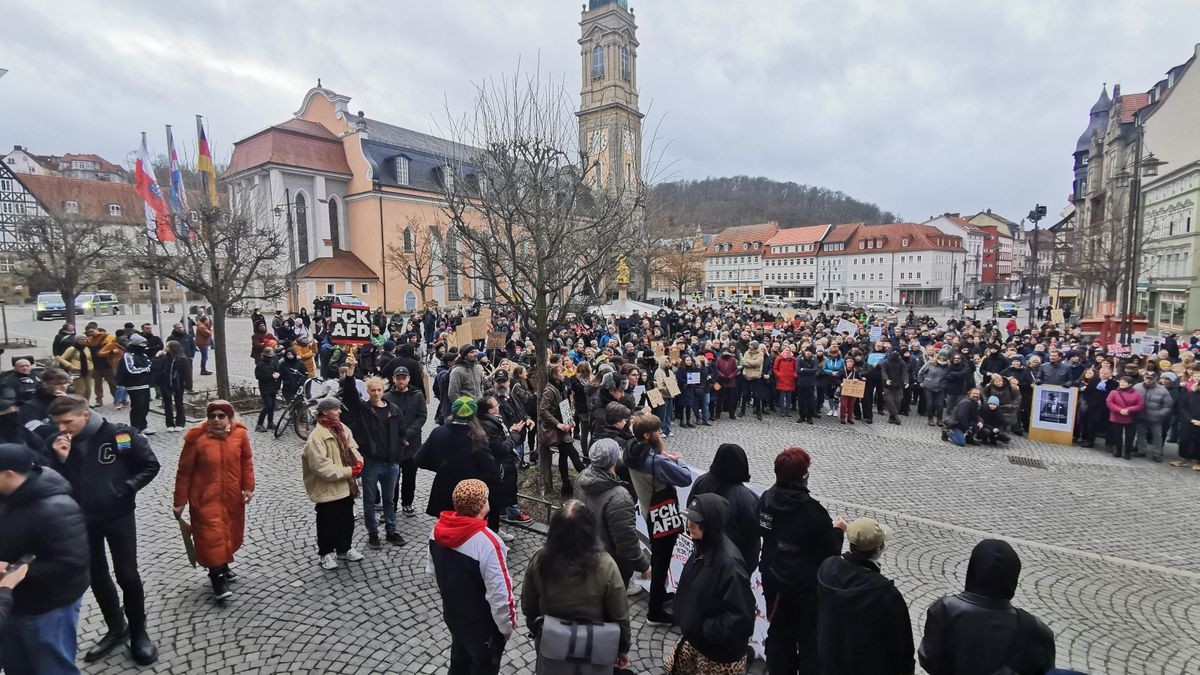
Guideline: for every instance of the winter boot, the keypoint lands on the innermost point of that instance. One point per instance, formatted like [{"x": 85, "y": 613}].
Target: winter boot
[
  {"x": 143, "y": 649},
  {"x": 118, "y": 630}
]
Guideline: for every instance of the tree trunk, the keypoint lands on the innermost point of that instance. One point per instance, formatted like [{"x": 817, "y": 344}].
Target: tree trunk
[
  {"x": 220, "y": 340},
  {"x": 68, "y": 306}
]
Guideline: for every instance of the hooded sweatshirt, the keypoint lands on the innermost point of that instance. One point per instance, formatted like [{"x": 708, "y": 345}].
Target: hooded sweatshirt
[
  {"x": 727, "y": 475},
  {"x": 857, "y": 606},
  {"x": 468, "y": 561},
  {"x": 713, "y": 602},
  {"x": 978, "y": 631},
  {"x": 798, "y": 535},
  {"x": 650, "y": 472}
]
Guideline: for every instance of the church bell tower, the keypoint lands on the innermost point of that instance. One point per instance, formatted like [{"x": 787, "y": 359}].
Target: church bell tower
[{"x": 610, "y": 124}]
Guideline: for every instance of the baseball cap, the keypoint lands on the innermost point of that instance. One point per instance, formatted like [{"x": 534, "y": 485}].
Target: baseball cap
[
  {"x": 865, "y": 534},
  {"x": 400, "y": 370},
  {"x": 16, "y": 457},
  {"x": 703, "y": 506}
]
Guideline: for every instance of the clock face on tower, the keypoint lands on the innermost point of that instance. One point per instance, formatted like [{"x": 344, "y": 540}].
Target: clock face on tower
[{"x": 598, "y": 142}]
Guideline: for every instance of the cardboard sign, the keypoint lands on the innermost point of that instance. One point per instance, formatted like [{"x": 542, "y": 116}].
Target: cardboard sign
[
  {"x": 673, "y": 387},
  {"x": 846, "y": 327},
  {"x": 497, "y": 339},
  {"x": 564, "y": 409},
  {"x": 349, "y": 325},
  {"x": 1117, "y": 349},
  {"x": 1056, "y": 315},
  {"x": 854, "y": 388},
  {"x": 655, "y": 398}
]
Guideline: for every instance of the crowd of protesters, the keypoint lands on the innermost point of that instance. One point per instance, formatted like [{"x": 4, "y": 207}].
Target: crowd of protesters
[{"x": 617, "y": 387}]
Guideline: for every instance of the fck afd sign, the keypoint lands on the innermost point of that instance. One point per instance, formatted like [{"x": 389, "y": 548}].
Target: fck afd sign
[{"x": 349, "y": 325}]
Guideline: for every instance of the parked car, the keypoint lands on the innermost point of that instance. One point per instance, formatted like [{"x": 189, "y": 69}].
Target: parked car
[
  {"x": 843, "y": 307},
  {"x": 1005, "y": 309},
  {"x": 802, "y": 303},
  {"x": 976, "y": 303},
  {"x": 881, "y": 307},
  {"x": 774, "y": 301},
  {"x": 340, "y": 299},
  {"x": 49, "y": 306},
  {"x": 96, "y": 304}
]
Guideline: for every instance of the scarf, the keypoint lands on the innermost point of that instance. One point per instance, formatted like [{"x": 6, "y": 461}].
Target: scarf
[
  {"x": 220, "y": 434},
  {"x": 346, "y": 455}
]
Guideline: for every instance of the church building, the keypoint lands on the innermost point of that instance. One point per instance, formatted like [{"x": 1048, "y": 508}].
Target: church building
[{"x": 362, "y": 200}]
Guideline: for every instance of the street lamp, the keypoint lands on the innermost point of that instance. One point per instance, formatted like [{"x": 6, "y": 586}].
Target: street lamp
[
  {"x": 1142, "y": 167},
  {"x": 1036, "y": 215},
  {"x": 280, "y": 210}
]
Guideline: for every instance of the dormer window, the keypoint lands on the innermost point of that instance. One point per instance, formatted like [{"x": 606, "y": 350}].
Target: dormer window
[
  {"x": 401, "y": 167},
  {"x": 71, "y": 206},
  {"x": 745, "y": 246},
  {"x": 114, "y": 209},
  {"x": 862, "y": 245},
  {"x": 904, "y": 241},
  {"x": 448, "y": 178}
]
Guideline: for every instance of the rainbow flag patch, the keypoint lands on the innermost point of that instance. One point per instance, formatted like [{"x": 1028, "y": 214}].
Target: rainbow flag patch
[{"x": 124, "y": 440}]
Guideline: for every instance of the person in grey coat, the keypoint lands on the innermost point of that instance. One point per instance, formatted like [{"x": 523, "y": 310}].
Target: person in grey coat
[
  {"x": 932, "y": 380},
  {"x": 1158, "y": 406},
  {"x": 467, "y": 377},
  {"x": 605, "y": 494},
  {"x": 1055, "y": 371}
]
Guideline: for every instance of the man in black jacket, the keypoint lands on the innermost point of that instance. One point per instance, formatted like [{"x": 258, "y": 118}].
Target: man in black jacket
[
  {"x": 133, "y": 373},
  {"x": 978, "y": 630},
  {"x": 40, "y": 519},
  {"x": 106, "y": 465},
  {"x": 413, "y": 412},
  {"x": 859, "y": 607},
  {"x": 965, "y": 420},
  {"x": 798, "y": 535},
  {"x": 376, "y": 424}
]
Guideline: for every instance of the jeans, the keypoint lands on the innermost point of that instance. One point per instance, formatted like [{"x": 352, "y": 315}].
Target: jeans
[
  {"x": 121, "y": 397},
  {"x": 267, "y": 414},
  {"x": 139, "y": 407},
  {"x": 665, "y": 412},
  {"x": 957, "y": 436},
  {"x": 471, "y": 655},
  {"x": 374, "y": 476},
  {"x": 1151, "y": 433},
  {"x": 120, "y": 534},
  {"x": 41, "y": 644},
  {"x": 335, "y": 525},
  {"x": 520, "y": 450},
  {"x": 785, "y": 400},
  {"x": 705, "y": 413},
  {"x": 203, "y": 359}
]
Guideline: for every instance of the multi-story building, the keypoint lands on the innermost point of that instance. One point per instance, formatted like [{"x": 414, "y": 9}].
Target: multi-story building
[
  {"x": 832, "y": 276},
  {"x": 790, "y": 262},
  {"x": 1168, "y": 292},
  {"x": 1062, "y": 287},
  {"x": 733, "y": 263},
  {"x": 351, "y": 187},
  {"x": 969, "y": 274},
  {"x": 82, "y": 166},
  {"x": 900, "y": 263},
  {"x": 998, "y": 275}
]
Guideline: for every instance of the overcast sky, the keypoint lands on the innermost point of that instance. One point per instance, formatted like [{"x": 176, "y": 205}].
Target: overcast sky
[{"x": 921, "y": 107}]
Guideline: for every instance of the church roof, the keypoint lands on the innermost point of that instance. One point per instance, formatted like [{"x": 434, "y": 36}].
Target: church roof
[
  {"x": 342, "y": 265},
  {"x": 297, "y": 143}
]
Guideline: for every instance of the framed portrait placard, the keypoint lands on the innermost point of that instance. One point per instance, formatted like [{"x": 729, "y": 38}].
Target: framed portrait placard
[{"x": 1052, "y": 414}]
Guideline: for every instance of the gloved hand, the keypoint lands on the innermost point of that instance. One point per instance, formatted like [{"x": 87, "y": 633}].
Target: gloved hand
[{"x": 356, "y": 469}]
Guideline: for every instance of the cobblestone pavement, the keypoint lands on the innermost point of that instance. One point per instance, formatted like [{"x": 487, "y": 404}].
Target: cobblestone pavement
[{"x": 1108, "y": 550}]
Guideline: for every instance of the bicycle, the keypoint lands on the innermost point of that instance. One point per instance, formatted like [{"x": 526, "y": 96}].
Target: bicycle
[{"x": 301, "y": 412}]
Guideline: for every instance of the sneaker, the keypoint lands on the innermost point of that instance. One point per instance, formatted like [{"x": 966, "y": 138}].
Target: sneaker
[
  {"x": 520, "y": 517},
  {"x": 506, "y": 536},
  {"x": 395, "y": 539},
  {"x": 633, "y": 588},
  {"x": 260, "y": 428},
  {"x": 372, "y": 543},
  {"x": 409, "y": 511},
  {"x": 352, "y": 555},
  {"x": 221, "y": 588},
  {"x": 663, "y": 619},
  {"x": 329, "y": 561},
  {"x": 148, "y": 432}
]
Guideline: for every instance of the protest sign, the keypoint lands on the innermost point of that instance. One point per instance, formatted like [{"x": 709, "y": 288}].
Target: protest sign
[
  {"x": 497, "y": 339},
  {"x": 655, "y": 398},
  {"x": 876, "y": 333},
  {"x": 854, "y": 388},
  {"x": 564, "y": 409},
  {"x": 672, "y": 387},
  {"x": 875, "y": 358},
  {"x": 693, "y": 378},
  {"x": 846, "y": 327},
  {"x": 1056, "y": 315},
  {"x": 349, "y": 325}
]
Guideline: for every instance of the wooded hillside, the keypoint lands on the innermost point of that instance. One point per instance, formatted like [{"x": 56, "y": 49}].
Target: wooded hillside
[{"x": 717, "y": 203}]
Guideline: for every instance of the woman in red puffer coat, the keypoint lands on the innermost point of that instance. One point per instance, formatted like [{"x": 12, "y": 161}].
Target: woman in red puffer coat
[{"x": 784, "y": 369}]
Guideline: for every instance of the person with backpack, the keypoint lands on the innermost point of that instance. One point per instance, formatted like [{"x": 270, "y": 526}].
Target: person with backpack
[
  {"x": 572, "y": 578},
  {"x": 978, "y": 630},
  {"x": 134, "y": 373},
  {"x": 441, "y": 385}
]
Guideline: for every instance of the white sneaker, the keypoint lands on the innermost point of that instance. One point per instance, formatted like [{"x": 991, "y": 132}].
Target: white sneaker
[
  {"x": 352, "y": 555},
  {"x": 506, "y": 536},
  {"x": 829, "y": 414},
  {"x": 329, "y": 561},
  {"x": 633, "y": 588},
  {"x": 148, "y": 432}
]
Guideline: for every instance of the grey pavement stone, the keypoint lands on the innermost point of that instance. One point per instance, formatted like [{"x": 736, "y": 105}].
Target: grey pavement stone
[{"x": 1109, "y": 560}]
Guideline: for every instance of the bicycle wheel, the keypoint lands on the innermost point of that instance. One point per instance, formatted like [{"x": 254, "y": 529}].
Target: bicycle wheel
[
  {"x": 305, "y": 419},
  {"x": 285, "y": 420}
]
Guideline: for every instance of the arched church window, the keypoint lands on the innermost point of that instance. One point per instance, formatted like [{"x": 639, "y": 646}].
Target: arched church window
[
  {"x": 335, "y": 234},
  {"x": 598, "y": 61},
  {"x": 408, "y": 240},
  {"x": 302, "y": 229}
]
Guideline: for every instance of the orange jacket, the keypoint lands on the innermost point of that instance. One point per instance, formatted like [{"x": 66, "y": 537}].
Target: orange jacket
[
  {"x": 212, "y": 474},
  {"x": 113, "y": 351},
  {"x": 306, "y": 354}
]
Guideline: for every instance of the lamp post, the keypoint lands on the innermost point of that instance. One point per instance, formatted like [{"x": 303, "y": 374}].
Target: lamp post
[
  {"x": 1035, "y": 215},
  {"x": 282, "y": 209},
  {"x": 1142, "y": 167}
]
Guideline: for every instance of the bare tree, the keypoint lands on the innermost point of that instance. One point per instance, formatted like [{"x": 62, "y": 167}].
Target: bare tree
[
  {"x": 537, "y": 219},
  {"x": 682, "y": 267},
  {"x": 71, "y": 255},
  {"x": 418, "y": 256},
  {"x": 225, "y": 257}
]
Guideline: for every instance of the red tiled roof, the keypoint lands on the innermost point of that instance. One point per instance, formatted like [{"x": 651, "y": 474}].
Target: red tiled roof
[
  {"x": 297, "y": 143},
  {"x": 890, "y": 238},
  {"x": 792, "y": 236},
  {"x": 343, "y": 265},
  {"x": 841, "y": 233},
  {"x": 738, "y": 235},
  {"x": 93, "y": 197},
  {"x": 1131, "y": 103}
]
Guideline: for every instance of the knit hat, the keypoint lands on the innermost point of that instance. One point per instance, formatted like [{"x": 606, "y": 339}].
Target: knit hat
[
  {"x": 464, "y": 407},
  {"x": 328, "y": 403},
  {"x": 136, "y": 340},
  {"x": 469, "y": 497},
  {"x": 993, "y": 400},
  {"x": 604, "y": 453},
  {"x": 223, "y": 406}
]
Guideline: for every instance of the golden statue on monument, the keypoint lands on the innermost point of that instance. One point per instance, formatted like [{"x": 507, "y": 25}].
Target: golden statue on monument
[{"x": 622, "y": 272}]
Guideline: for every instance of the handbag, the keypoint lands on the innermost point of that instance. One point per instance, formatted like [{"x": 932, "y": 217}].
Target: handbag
[
  {"x": 664, "y": 519},
  {"x": 567, "y": 647}
]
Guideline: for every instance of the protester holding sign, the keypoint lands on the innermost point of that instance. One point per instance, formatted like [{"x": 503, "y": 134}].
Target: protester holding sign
[{"x": 655, "y": 473}]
